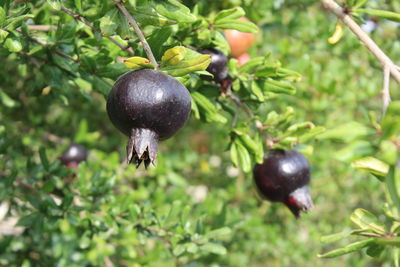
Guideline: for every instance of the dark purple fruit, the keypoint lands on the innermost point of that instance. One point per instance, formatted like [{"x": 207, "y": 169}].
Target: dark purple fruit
[
  {"x": 218, "y": 65},
  {"x": 73, "y": 155},
  {"x": 284, "y": 177},
  {"x": 148, "y": 106}
]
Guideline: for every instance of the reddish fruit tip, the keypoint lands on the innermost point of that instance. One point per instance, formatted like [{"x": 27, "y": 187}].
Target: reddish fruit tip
[{"x": 243, "y": 58}]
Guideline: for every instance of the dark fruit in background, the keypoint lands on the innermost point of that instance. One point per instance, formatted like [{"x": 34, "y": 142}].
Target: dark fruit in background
[
  {"x": 218, "y": 65},
  {"x": 240, "y": 42},
  {"x": 73, "y": 155},
  {"x": 148, "y": 106},
  {"x": 284, "y": 177}
]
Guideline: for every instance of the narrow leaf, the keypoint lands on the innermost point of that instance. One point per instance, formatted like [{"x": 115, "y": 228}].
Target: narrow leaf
[
  {"x": 366, "y": 220},
  {"x": 381, "y": 13},
  {"x": 372, "y": 165},
  {"x": 347, "y": 249}
]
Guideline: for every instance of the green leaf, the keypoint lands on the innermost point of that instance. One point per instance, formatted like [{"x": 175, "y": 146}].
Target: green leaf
[
  {"x": 375, "y": 250},
  {"x": 2, "y": 16},
  {"x": 174, "y": 10},
  {"x": 108, "y": 23},
  {"x": 300, "y": 128},
  {"x": 288, "y": 74},
  {"x": 12, "y": 21},
  {"x": 158, "y": 38},
  {"x": 113, "y": 71},
  {"x": 368, "y": 221},
  {"x": 391, "y": 241},
  {"x": 187, "y": 66},
  {"x": 13, "y": 45},
  {"x": 346, "y": 132},
  {"x": 256, "y": 90},
  {"x": 234, "y": 154},
  {"x": 239, "y": 25},
  {"x": 254, "y": 64},
  {"x": 354, "y": 150},
  {"x": 311, "y": 134},
  {"x": 101, "y": 86},
  {"x": 268, "y": 69},
  {"x": 219, "y": 42},
  {"x": 393, "y": 185},
  {"x": 207, "y": 108},
  {"x": 43, "y": 158},
  {"x": 78, "y": 4},
  {"x": 347, "y": 249},
  {"x": 219, "y": 233},
  {"x": 233, "y": 13},
  {"x": 244, "y": 157},
  {"x": 29, "y": 219},
  {"x": 381, "y": 13},
  {"x": 338, "y": 236},
  {"x": 179, "y": 249},
  {"x": 388, "y": 152},
  {"x": 134, "y": 63},
  {"x": 372, "y": 165},
  {"x": 173, "y": 55},
  {"x": 3, "y": 35},
  {"x": 8, "y": 101},
  {"x": 252, "y": 146},
  {"x": 358, "y": 4},
  {"x": 54, "y": 4},
  {"x": 280, "y": 87},
  {"x": 391, "y": 122},
  {"x": 146, "y": 15},
  {"x": 214, "y": 248}
]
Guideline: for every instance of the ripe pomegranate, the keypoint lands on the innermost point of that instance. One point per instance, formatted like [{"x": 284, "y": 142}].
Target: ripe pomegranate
[
  {"x": 148, "y": 106},
  {"x": 243, "y": 58},
  {"x": 73, "y": 155},
  {"x": 218, "y": 65},
  {"x": 284, "y": 177},
  {"x": 240, "y": 42}
]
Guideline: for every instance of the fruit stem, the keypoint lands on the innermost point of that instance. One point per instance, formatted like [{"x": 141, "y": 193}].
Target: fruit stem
[{"x": 138, "y": 32}]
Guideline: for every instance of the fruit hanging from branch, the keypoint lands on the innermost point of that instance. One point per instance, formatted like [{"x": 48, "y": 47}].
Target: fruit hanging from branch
[
  {"x": 284, "y": 177},
  {"x": 218, "y": 65},
  {"x": 73, "y": 155},
  {"x": 240, "y": 42},
  {"x": 148, "y": 106}
]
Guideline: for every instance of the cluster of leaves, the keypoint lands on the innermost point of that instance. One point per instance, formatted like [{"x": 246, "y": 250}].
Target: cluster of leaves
[
  {"x": 374, "y": 149},
  {"x": 83, "y": 218}
]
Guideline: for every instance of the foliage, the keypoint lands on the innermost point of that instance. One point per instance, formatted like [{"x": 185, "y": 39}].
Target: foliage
[{"x": 197, "y": 207}]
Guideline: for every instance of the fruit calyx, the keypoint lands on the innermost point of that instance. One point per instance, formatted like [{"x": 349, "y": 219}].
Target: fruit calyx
[
  {"x": 299, "y": 200},
  {"x": 142, "y": 146}
]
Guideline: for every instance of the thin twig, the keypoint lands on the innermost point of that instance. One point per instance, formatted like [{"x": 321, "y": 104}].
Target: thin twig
[
  {"x": 138, "y": 32},
  {"x": 364, "y": 38},
  {"x": 385, "y": 91},
  {"x": 240, "y": 104},
  {"x": 85, "y": 21},
  {"x": 61, "y": 53}
]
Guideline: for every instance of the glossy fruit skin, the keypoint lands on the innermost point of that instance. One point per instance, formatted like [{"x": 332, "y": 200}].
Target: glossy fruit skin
[
  {"x": 243, "y": 59},
  {"x": 73, "y": 155},
  {"x": 282, "y": 177},
  {"x": 240, "y": 42},
  {"x": 218, "y": 65},
  {"x": 148, "y": 106}
]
